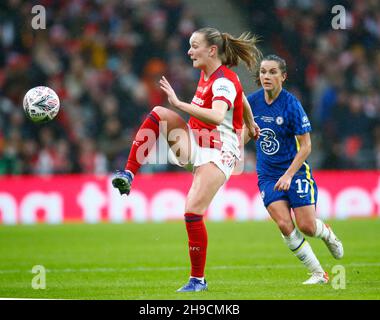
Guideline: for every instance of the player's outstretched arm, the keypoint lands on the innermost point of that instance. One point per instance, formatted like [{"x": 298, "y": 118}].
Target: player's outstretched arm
[
  {"x": 250, "y": 129},
  {"x": 213, "y": 116},
  {"x": 245, "y": 137}
]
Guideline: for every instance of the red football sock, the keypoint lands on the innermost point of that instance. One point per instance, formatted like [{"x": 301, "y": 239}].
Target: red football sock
[
  {"x": 197, "y": 233},
  {"x": 145, "y": 137}
]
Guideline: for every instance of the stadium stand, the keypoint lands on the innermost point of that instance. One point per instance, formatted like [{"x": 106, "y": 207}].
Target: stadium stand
[{"x": 104, "y": 58}]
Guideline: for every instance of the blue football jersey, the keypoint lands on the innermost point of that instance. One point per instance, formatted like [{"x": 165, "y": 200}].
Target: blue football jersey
[{"x": 279, "y": 122}]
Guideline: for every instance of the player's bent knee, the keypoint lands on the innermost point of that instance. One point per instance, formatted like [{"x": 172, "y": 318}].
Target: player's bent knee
[
  {"x": 285, "y": 226},
  {"x": 308, "y": 229},
  {"x": 160, "y": 111}
]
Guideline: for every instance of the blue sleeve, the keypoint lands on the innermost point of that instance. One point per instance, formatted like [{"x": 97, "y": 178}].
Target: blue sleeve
[{"x": 299, "y": 121}]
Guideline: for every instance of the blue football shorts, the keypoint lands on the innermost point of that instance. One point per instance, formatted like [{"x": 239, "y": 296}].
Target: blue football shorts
[{"x": 303, "y": 191}]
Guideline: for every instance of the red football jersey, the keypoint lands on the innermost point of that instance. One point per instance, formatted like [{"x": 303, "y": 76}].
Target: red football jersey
[{"x": 223, "y": 85}]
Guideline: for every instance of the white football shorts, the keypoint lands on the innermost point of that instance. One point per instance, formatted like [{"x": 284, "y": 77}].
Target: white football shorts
[{"x": 224, "y": 159}]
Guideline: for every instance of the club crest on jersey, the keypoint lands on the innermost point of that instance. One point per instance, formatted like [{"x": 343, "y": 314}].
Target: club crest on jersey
[{"x": 279, "y": 120}]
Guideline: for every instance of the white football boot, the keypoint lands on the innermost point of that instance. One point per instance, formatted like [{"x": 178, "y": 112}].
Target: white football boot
[
  {"x": 317, "y": 278},
  {"x": 334, "y": 244}
]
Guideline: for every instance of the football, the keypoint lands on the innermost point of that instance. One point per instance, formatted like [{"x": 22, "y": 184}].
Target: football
[{"x": 41, "y": 104}]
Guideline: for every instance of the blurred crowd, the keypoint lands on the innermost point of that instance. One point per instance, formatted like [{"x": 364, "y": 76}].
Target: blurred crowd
[
  {"x": 334, "y": 72},
  {"x": 104, "y": 59}
]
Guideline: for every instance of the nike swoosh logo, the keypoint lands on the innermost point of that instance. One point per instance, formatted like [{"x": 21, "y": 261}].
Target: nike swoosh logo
[{"x": 305, "y": 195}]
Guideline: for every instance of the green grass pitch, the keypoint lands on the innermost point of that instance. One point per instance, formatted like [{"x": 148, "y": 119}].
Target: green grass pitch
[{"x": 246, "y": 261}]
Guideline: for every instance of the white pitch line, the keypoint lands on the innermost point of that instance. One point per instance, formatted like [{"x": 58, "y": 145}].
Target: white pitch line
[
  {"x": 28, "y": 299},
  {"x": 155, "y": 269}
]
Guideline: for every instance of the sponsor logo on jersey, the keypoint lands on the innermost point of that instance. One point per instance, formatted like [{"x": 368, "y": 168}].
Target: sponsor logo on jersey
[
  {"x": 198, "y": 101},
  {"x": 222, "y": 88},
  {"x": 202, "y": 90},
  {"x": 268, "y": 142}
]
